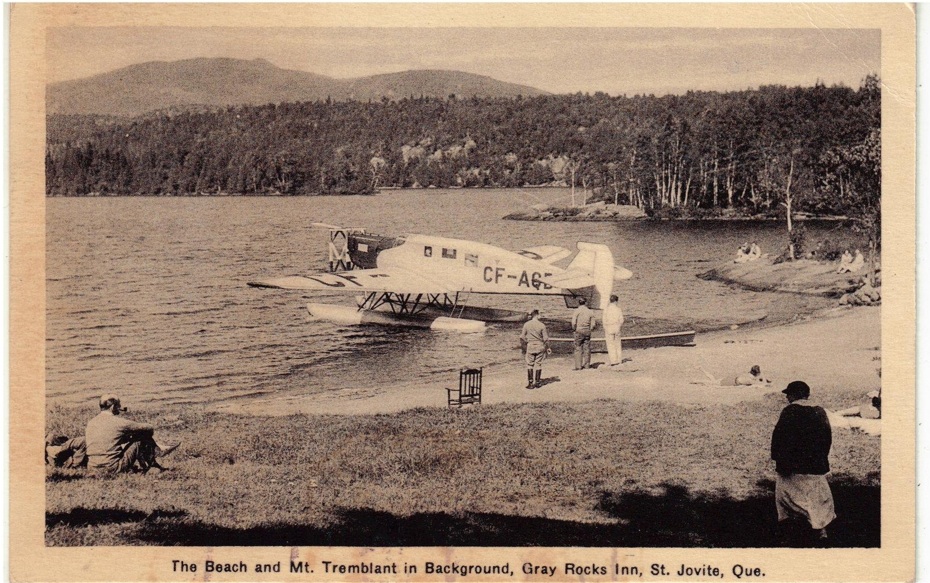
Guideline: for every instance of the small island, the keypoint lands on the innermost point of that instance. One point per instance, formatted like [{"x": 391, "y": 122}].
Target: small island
[{"x": 598, "y": 211}]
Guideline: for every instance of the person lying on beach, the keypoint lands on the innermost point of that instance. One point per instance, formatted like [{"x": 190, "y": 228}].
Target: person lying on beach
[
  {"x": 752, "y": 378},
  {"x": 870, "y": 409},
  {"x": 865, "y": 417}
]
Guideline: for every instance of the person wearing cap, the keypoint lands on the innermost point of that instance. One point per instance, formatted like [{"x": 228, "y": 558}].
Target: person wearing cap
[
  {"x": 583, "y": 322},
  {"x": 119, "y": 445},
  {"x": 801, "y": 447},
  {"x": 534, "y": 340},
  {"x": 613, "y": 321}
]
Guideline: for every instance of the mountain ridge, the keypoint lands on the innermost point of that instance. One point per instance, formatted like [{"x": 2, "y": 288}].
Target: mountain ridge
[{"x": 219, "y": 82}]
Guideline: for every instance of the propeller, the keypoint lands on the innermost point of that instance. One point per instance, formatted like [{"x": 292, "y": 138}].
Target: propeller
[{"x": 330, "y": 227}]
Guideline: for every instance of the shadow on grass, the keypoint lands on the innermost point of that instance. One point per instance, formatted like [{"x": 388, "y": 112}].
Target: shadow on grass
[
  {"x": 65, "y": 476},
  {"x": 675, "y": 517},
  {"x": 80, "y": 517},
  {"x": 670, "y": 516}
]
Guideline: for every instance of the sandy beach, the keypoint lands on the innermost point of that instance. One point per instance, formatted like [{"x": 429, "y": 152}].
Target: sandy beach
[{"x": 835, "y": 349}]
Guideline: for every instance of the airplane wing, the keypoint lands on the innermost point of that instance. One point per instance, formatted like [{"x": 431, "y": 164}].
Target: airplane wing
[
  {"x": 394, "y": 280},
  {"x": 546, "y": 253}
]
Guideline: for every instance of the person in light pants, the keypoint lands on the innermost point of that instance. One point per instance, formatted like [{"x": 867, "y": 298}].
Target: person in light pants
[{"x": 613, "y": 321}]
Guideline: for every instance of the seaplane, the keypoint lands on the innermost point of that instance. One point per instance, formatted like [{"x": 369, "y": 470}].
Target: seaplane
[{"x": 430, "y": 282}]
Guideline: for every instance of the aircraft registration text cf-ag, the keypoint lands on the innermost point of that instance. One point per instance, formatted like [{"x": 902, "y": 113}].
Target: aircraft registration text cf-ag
[{"x": 428, "y": 281}]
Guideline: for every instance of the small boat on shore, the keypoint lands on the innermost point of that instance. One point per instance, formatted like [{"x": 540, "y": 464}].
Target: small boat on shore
[
  {"x": 561, "y": 345},
  {"x": 637, "y": 333}
]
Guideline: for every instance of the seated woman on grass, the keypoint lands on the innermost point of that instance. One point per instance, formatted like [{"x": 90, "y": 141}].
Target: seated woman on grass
[{"x": 845, "y": 261}]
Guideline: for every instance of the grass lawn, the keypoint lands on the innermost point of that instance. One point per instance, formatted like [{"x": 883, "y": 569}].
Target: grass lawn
[{"x": 603, "y": 473}]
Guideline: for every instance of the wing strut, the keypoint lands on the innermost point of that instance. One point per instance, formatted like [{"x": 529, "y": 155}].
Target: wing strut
[
  {"x": 339, "y": 258},
  {"x": 460, "y": 306}
]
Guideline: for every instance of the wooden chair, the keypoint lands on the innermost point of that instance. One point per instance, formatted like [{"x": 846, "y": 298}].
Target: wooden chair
[{"x": 469, "y": 391}]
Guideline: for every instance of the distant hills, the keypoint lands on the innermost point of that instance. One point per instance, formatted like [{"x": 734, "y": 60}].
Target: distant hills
[{"x": 218, "y": 82}]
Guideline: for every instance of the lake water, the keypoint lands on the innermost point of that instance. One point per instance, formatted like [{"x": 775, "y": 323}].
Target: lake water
[{"x": 148, "y": 296}]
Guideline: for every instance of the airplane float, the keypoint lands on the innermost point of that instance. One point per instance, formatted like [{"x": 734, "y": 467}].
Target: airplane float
[{"x": 428, "y": 281}]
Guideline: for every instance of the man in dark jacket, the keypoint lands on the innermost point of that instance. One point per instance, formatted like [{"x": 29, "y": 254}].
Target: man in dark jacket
[
  {"x": 800, "y": 447},
  {"x": 583, "y": 322}
]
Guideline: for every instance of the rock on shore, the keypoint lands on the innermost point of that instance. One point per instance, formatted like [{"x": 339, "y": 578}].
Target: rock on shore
[{"x": 802, "y": 276}]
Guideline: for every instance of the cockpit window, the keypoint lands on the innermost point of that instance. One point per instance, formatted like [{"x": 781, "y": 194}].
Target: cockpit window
[{"x": 448, "y": 253}]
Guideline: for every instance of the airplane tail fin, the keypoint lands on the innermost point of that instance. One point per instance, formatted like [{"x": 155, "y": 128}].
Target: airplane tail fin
[{"x": 597, "y": 261}]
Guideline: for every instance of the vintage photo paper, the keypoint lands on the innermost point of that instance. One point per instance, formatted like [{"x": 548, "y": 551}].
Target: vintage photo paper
[{"x": 462, "y": 292}]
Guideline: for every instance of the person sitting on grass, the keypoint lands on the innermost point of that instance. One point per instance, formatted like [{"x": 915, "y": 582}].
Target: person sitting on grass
[
  {"x": 62, "y": 452},
  {"x": 120, "y": 445},
  {"x": 743, "y": 253},
  {"x": 752, "y": 378},
  {"x": 858, "y": 263},
  {"x": 845, "y": 261}
]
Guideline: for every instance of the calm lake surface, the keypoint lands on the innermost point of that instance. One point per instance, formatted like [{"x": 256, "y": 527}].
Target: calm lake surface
[{"x": 148, "y": 296}]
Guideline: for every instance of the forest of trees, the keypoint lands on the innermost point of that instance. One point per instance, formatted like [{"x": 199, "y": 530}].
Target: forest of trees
[{"x": 814, "y": 149}]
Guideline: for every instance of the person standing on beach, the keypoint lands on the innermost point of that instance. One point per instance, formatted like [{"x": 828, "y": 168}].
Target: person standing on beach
[
  {"x": 583, "y": 323},
  {"x": 534, "y": 340},
  {"x": 613, "y": 320},
  {"x": 801, "y": 447}
]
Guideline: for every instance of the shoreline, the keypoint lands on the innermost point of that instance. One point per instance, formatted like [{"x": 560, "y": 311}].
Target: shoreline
[
  {"x": 804, "y": 349},
  {"x": 622, "y": 219},
  {"x": 527, "y": 468}
]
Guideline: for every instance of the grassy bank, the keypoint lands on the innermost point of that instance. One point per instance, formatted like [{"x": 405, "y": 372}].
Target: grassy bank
[{"x": 601, "y": 473}]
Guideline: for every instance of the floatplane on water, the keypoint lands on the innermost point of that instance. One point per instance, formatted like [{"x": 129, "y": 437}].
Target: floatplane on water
[{"x": 428, "y": 281}]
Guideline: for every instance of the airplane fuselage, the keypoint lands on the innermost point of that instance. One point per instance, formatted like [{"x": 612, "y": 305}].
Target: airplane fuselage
[
  {"x": 470, "y": 266},
  {"x": 413, "y": 274}
]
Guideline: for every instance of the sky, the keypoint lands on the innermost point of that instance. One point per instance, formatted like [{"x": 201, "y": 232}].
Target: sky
[{"x": 560, "y": 60}]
